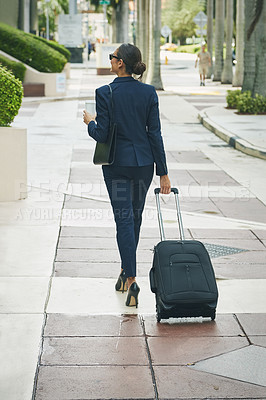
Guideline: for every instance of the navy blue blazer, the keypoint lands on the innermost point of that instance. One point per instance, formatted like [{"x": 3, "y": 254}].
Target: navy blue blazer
[{"x": 136, "y": 112}]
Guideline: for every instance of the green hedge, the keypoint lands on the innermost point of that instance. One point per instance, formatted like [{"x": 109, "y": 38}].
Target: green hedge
[
  {"x": 56, "y": 46},
  {"x": 232, "y": 97},
  {"x": 32, "y": 52},
  {"x": 17, "y": 68},
  {"x": 11, "y": 93},
  {"x": 245, "y": 103}
]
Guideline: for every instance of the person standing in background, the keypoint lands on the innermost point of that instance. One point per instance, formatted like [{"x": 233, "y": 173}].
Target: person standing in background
[{"x": 204, "y": 60}]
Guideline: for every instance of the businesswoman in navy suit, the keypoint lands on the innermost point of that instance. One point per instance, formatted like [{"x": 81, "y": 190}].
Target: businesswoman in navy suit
[{"x": 139, "y": 147}]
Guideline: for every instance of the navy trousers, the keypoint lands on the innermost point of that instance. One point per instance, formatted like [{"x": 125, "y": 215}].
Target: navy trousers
[{"x": 127, "y": 188}]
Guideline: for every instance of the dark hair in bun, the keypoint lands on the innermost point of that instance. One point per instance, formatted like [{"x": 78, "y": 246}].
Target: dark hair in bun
[{"x": 131, "y": 56}]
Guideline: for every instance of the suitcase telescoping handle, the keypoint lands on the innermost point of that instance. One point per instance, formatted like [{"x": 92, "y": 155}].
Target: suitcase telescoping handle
[{"x": 159, "y": 213}]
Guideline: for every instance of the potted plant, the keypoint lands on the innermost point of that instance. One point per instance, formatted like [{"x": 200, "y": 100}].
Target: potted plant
[{"x": 13, "y": 141}]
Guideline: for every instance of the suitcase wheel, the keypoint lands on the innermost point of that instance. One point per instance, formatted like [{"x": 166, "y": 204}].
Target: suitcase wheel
[
  {"x": 158, "y": 314},
  {"x": 213, "y": 315}
]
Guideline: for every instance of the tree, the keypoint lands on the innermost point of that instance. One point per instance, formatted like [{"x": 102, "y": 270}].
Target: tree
[
  {"x": 240, "y": 29},
  {"x": 121, "y": 18},
  {"x": 250, "y": 48},
  {"x": 219, "y": 39},
  {"x": 210, "y": 34},
  {"x": 55, "y": 7},
  {"x": 143, "y": 29},
  {"x": 178, "y": 15},
  {"x": 227, "y": 74},
  {"x": 154, "y": 70},
  {"x": 260, "y": 38}
]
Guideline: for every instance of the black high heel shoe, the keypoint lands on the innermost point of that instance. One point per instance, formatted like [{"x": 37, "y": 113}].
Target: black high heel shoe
[
  {"x": 132, "y": 297},
  {"x": 121, "y": 284}
]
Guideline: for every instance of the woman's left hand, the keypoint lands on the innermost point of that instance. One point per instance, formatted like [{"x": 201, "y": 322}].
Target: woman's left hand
[{"x": 87, "y": 118}]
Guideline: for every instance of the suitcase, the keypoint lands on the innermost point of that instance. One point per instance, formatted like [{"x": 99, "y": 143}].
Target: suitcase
[{"x": 182, "y": 275}]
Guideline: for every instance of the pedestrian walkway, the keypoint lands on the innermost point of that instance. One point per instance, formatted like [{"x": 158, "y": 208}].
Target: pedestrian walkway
[{"x": 66, "y": 333}]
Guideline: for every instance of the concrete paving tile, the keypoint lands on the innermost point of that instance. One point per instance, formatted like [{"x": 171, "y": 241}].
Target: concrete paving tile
[
  {"x": 245, "y": 208},
  {"x": 98, "y": 255},
  {"x": 74, "y": 269},
  {"x": 93, "y": 325},
  {"x": 182, "y": 178},
  {"x": 86, "y": 243},
  {"x": 184, "y": 383},
  {"x": 233, "y": 270},
  {"x": 242, "y": 296},
  {"x": 197, "y": 204},
  {"x": 261, "y": 234},
  {"x": 253, "y": 324},
  {"x": 34, "y": 250},
  {"x": 246, "y": 364},
  {"x": 94, "y": 351},
  {"x": 96, "y": 296},
  {"x": 90, "y": 383},
  {"x": 258, "y": 340},
  {"x": 250, "y": 257},
  {"x": 201, "y": 234},
  {"x": 146, "y": 232},
  {"x": 19, "y": 349},
  {"x": 86, "y": 231},
  {"x": 81, "y": 155},
  {"x": 99, "y": 243},
  {"x": 190, "y": 156},
  {"x": 40, "y": 208},
  {"x": 213, "y": 178},
  {"x": 245, "y": 244},
  {"x": 224, "y": 325},
  {"x": 80, "y": 202},
  {"x": 95, "y": 270},
  {"x": 23, "y": 295},
  {"x": 188, "y": 350}
]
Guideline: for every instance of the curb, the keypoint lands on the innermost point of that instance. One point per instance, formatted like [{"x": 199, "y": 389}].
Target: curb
[{"x": 233, "y": 140}]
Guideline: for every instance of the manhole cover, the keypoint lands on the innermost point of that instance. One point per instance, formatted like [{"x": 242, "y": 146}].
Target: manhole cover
[{"x": 216, "y": 250}]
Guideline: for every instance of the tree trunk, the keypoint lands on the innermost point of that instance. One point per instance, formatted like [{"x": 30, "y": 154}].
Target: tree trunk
[
  {"x": 227, "y": 74},
  {"x": 240, "y": 33},
  {"x": 260, "y": 37},
  {"x": 210, "y": 34},
  {"x": 154, "y": 71},
  {"x": 219, "y": 39},
  {"x": 114, "y": 25},
  {"x": 122, "y": 22},
  {"x": 250, "y": 49},
  {"x": 142, "y": 30}
]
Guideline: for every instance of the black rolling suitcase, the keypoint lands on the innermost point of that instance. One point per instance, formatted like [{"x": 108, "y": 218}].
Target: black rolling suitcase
[{"x": 182, "y": 275}]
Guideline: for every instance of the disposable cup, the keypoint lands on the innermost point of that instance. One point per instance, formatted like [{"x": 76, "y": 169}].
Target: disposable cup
[{"x": 90, "y": 106}]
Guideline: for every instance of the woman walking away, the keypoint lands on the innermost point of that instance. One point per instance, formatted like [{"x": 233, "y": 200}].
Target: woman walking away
[{"x": 139, "y": 146}]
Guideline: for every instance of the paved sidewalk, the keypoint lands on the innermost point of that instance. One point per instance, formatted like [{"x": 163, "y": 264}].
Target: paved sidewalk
[
  {"x": 246, "y": 133},
  {"x": 65, "y": 333}
]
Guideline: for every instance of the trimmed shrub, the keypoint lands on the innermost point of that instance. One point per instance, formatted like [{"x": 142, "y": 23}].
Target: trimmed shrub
[
  {"x": 32, "y": 52},
  {"x": 232, "y": 98},
  {"x": 11, "y": 93},
  {"x": 247, "y": 104},
  {"x": 56, "y": 46},
  {"x": 17, "y": 68}
]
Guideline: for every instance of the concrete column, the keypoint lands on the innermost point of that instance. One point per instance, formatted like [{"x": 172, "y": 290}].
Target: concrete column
[
  {"x": 33, "y": 17},
  {"x": 73, "y": 7},
  {"x": 26, "y": 15}
]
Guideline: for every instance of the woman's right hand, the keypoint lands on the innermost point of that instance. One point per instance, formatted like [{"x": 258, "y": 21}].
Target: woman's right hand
[{"x": 165, "y": 184}]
